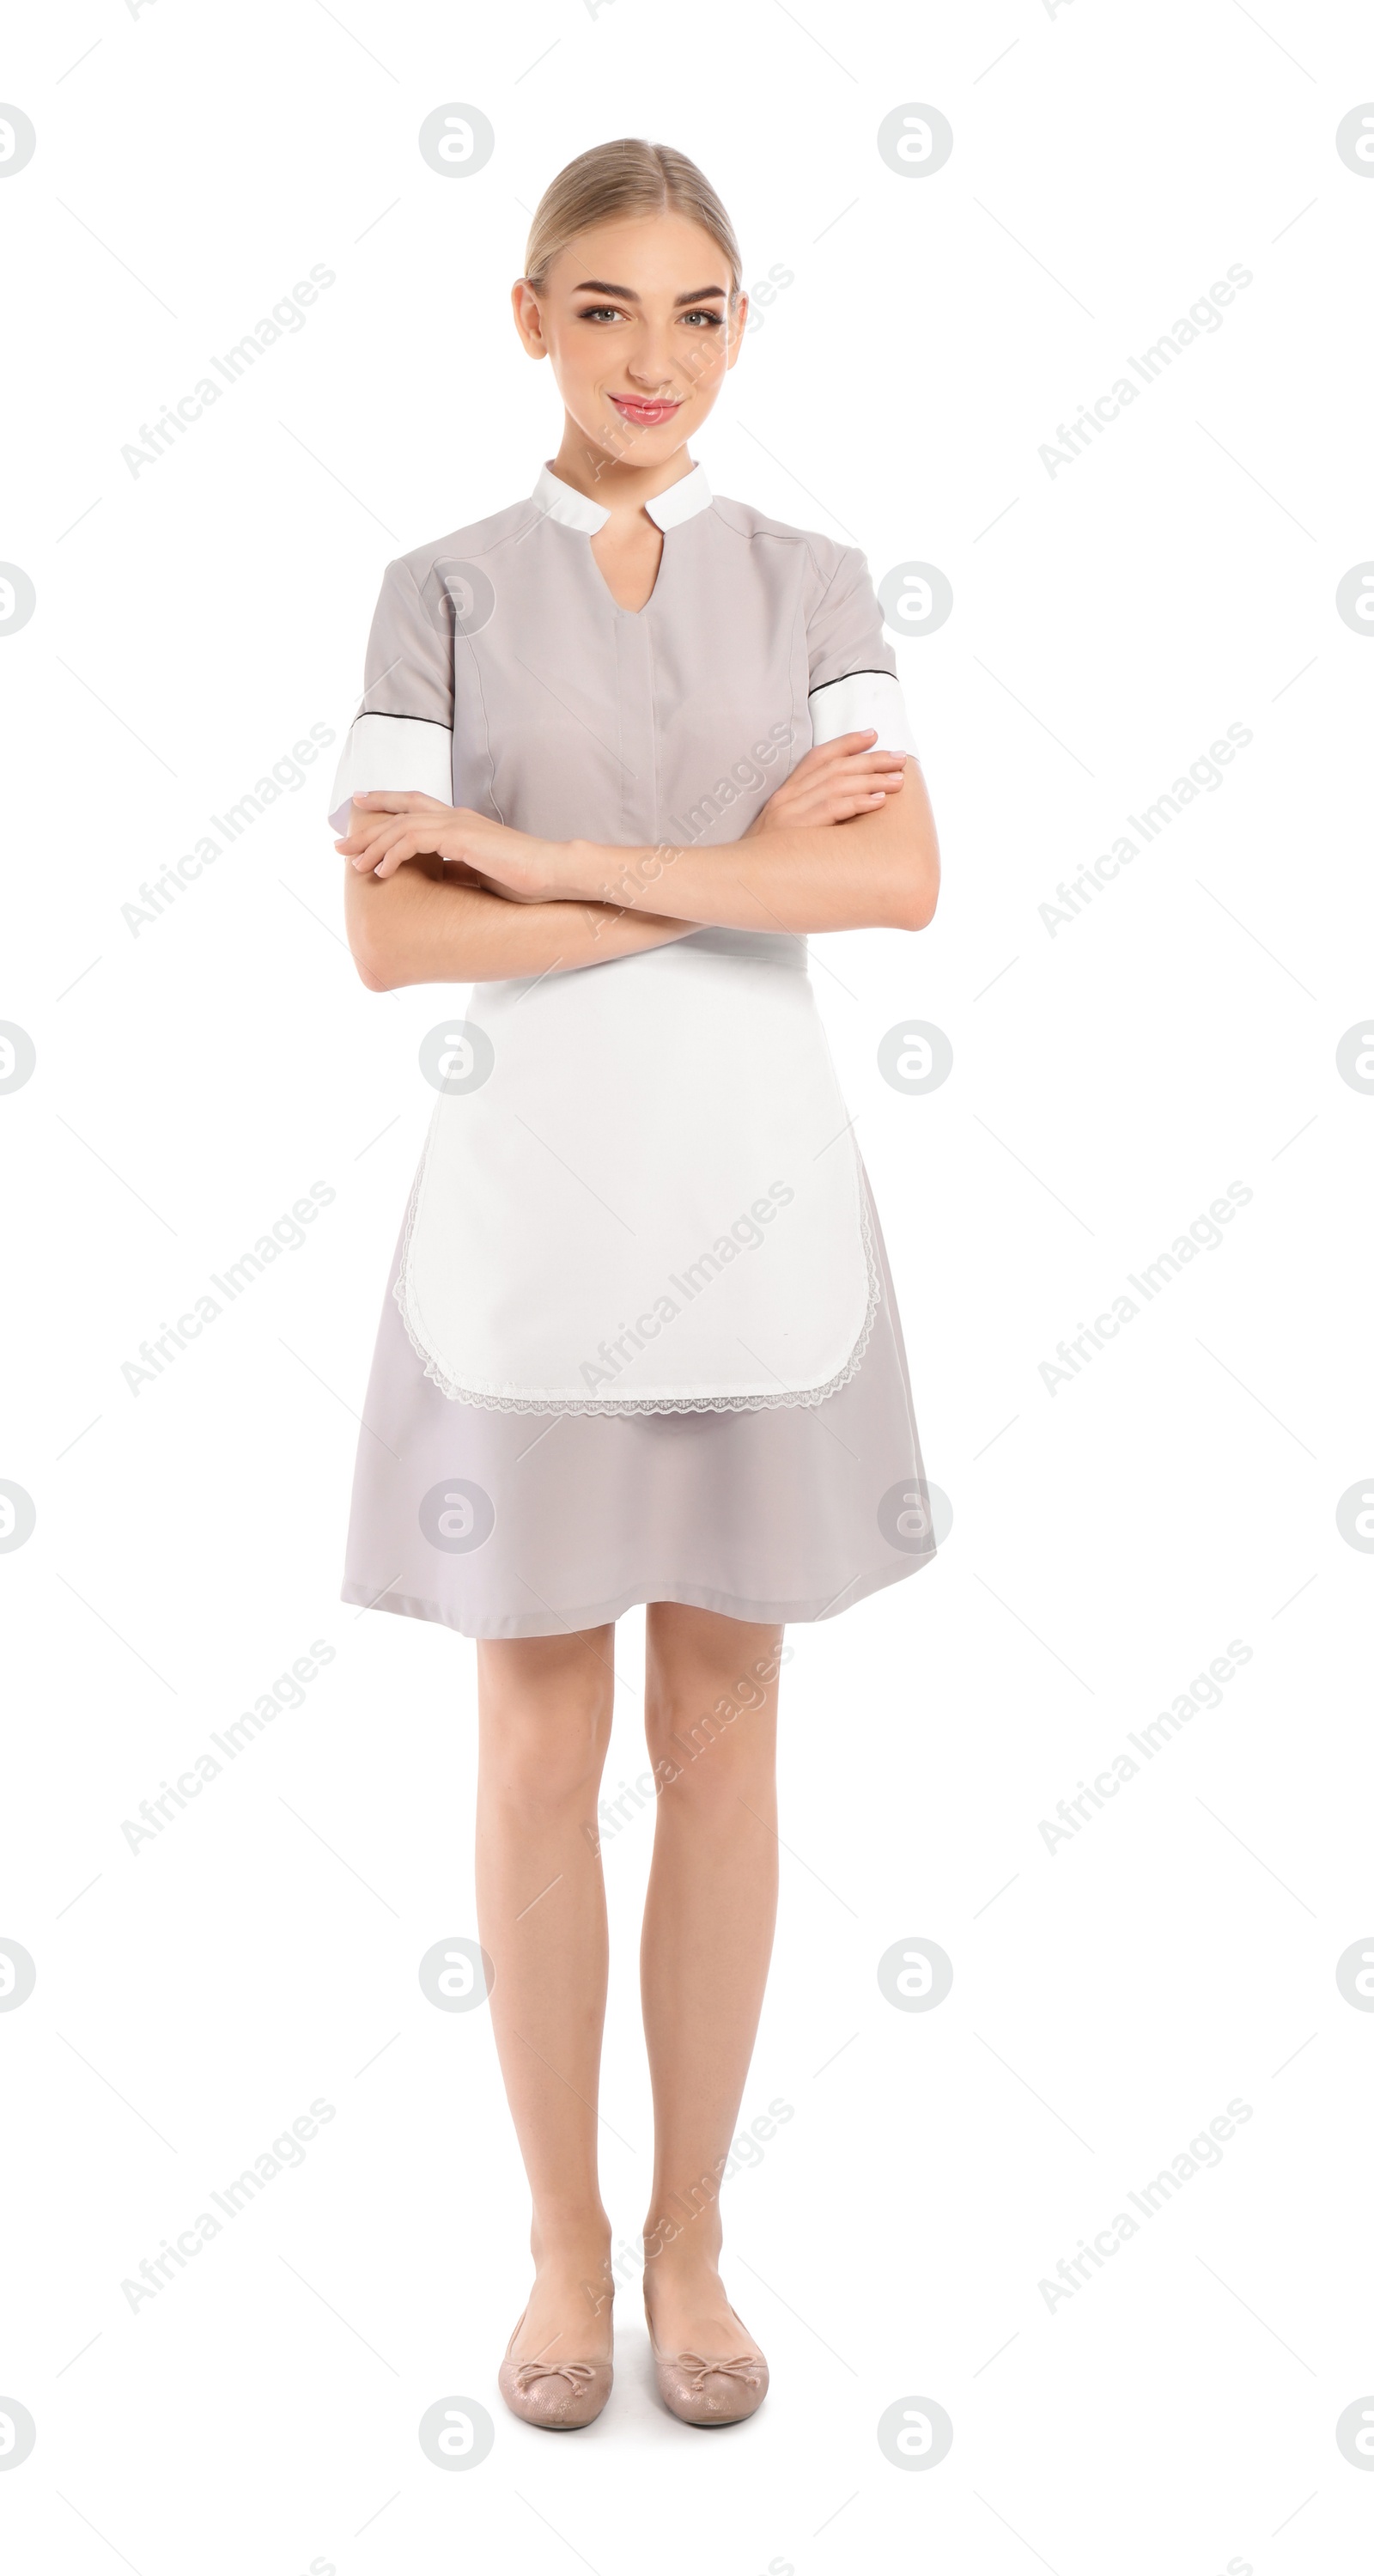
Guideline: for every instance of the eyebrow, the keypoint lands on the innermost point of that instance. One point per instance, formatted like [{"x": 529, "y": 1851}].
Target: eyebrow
[{"x": 601, "y": 286}]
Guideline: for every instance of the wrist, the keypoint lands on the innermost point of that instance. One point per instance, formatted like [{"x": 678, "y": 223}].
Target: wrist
[
  {"x": 560, "y": 870},
  {"x": 599, "y": 872},
  {"x": 576, "y": 868}
]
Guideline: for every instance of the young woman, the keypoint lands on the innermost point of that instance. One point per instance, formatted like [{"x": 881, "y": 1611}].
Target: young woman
[{"x": 622, "y": 745}]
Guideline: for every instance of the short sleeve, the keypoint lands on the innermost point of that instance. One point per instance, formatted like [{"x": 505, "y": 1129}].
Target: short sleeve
[
  {"x": 402, "y": 735},
  {"x": 852, "y": 665}
]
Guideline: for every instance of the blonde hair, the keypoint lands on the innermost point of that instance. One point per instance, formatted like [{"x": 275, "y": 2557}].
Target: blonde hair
[{"x": 629, "y": 177}]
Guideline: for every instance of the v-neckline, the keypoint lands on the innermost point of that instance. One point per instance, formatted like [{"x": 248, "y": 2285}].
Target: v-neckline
[
  {"x": 617, "y": 604},
  {"x": 563, "y": 502}
]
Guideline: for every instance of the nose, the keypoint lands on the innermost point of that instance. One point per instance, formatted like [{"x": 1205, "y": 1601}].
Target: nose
[{"x": 650, "y": 362}]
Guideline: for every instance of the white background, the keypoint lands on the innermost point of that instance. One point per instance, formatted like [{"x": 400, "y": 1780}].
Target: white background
[{"x": 1109, "y": 1539}]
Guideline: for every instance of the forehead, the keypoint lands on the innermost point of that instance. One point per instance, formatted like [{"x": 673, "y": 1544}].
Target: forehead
[{"x": 653, "y": 254}]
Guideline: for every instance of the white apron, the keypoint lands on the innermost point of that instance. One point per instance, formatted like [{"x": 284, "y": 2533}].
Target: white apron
[{"x": 643, "y": 1194}]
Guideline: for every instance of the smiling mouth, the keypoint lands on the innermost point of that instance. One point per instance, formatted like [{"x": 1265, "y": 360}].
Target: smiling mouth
[{"x": 631, "y": 408}]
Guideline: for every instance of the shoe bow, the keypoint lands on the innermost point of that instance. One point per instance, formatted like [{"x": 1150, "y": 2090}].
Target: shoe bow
[
  {"x": 581, "y": 2373},
  {"x": 697, "y": 2371}
]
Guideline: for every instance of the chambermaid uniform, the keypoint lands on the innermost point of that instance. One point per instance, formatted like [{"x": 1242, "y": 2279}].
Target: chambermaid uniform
[{"x": 639, "y": 1342}]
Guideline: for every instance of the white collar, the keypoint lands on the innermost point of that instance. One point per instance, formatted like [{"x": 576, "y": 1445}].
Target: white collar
[{"x": 682, "y": 500}]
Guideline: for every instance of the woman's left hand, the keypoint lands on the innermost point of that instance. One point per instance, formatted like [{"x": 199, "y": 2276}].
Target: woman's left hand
[
  {"x": 832, "y": 782},
  {"x": 390, "y": 825}
]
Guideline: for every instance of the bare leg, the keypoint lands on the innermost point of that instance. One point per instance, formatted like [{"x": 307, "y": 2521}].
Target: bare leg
[
  {"x": 545, "y": 1720},
  {"x": 711, "y": 1718}
]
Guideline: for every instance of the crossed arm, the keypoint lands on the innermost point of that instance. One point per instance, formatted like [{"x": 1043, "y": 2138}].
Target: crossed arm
[{"x": 437, "y": 894}]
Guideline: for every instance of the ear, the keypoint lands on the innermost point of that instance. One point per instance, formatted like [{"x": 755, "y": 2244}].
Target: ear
[{"x": 528, "y": 320}]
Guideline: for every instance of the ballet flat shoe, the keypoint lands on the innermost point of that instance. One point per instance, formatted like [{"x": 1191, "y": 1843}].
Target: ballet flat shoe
[
  {"x": 708, "y": 2389},
  {"x": 561, "y": 2396}
]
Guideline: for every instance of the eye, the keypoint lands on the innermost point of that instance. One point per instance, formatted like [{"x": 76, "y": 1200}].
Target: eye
[
  {"x": 596, "y": 312},
  {"x": 703, "y": 314}
]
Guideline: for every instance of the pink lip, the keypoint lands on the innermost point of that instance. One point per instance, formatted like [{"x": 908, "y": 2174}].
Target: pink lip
[{"x": 647, "y": 412}]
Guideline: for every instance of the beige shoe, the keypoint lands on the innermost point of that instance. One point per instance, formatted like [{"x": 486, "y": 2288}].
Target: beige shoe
[
  {"x": 708, "y": 2390},
  {"x": 561, "y": 2396}
]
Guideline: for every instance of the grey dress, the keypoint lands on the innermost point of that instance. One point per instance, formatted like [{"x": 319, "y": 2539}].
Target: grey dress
[{"x": 741, "y": 1438}]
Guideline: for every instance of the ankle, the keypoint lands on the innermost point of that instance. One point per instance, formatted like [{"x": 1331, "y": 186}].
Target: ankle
[
  {"x": 579, "y": 2254},
  {"x": 684, "y": 2256},
  {"x": 567, "y": 2235}
]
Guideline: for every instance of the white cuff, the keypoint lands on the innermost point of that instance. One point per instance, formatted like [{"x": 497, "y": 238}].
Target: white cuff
[
  {"x": 862, "y": 698},
  {"x": 392, "y": 751}
]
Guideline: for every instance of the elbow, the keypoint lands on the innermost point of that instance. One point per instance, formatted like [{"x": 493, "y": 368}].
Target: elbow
[
  {"x": 372, "y": 965},
  {"x": 915, "y": 906},
  {"x": 918, "y": 863},
  {"x": 367, "y": 930}
]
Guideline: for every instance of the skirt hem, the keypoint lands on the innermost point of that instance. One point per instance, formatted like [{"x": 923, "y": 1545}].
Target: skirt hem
[{"x": 541, "y": 1623}]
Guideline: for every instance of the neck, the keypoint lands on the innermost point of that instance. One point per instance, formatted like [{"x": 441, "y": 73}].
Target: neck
[{"x": 614, "y": 479}]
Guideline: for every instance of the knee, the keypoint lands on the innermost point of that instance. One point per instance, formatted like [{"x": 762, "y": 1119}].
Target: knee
[
  {"x": 544, "y": 1737},
  {"x": 543, "y": 1766},
  {"x": 706, "y": 1749}
]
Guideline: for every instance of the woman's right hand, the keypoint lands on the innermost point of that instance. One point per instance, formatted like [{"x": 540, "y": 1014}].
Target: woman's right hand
[{"x": 833, "y": 781}]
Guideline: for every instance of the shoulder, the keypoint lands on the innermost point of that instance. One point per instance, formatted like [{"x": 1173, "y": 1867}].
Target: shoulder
[
  {"x": 826, "y": 590},
  {"x": 820, "y": 559},
  {"x": 481, "y": 537}
]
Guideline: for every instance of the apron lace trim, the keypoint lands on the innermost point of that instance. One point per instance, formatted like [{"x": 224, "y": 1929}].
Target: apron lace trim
[{"x": 787, "y": 1401}]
